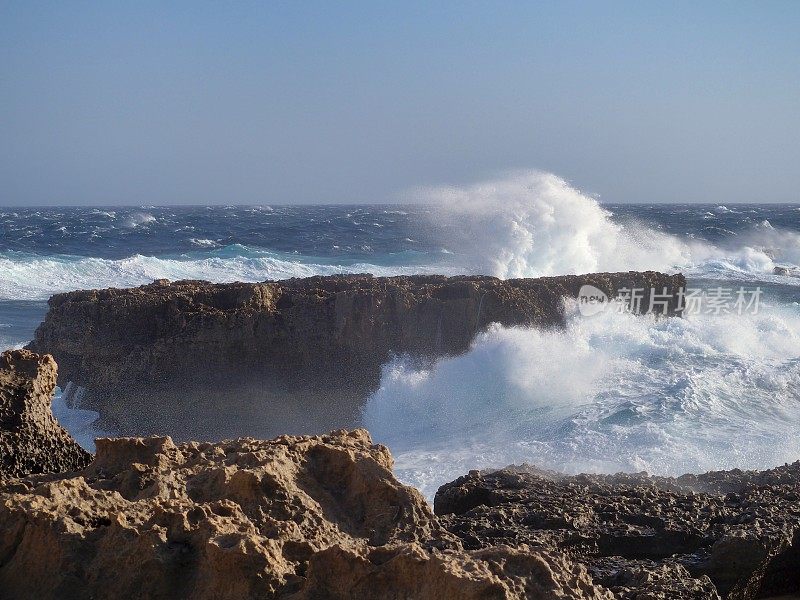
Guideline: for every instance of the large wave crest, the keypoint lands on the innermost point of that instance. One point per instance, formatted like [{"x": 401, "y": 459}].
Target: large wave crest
[
  {"x": 531, "y": 223},
  {"x": 613, "y": 392},
  {"x": 35, "y": 277}
]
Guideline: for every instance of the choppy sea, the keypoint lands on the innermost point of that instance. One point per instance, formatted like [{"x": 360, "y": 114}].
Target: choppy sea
[{"x": 612, "y": 392}]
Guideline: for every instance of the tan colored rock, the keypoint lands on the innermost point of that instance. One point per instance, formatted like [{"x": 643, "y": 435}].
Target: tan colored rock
[
  {"x": 296, "y": 517},
  {"x": 294, "y": 356},
  {"x": 408, "y": 571},
  {"x": 31, "y": 440}
]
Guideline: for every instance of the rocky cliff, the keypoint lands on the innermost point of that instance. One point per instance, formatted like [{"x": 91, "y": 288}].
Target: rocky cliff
[
  {"x": 31, "y": 440},
  {"x": 294, "y": 517},
  {"x": 201, "y": 360},
  {"x": 308, "y": 517},
  {"x": 733, "y": 534}
]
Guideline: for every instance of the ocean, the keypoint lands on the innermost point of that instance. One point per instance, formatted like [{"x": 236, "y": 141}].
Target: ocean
[{"x": 612, "y": 392}]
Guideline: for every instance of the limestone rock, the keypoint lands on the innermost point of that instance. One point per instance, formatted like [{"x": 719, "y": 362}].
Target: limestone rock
[
  {"x": 729, "y": 534},
  {"x": 31, "y": 440},
  {"x": 294, "y": 517},
  {"x": 295, "y": 356}
]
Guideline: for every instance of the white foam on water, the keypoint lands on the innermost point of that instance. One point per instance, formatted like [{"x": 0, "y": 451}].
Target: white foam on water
[
  {"x": 79, "y": 422},
  {"x": 33, "y": 277},
  {"x": 204, "y": 243},
  {"x": 612, "y": 392},
  {"x": 530, "y": 224}
]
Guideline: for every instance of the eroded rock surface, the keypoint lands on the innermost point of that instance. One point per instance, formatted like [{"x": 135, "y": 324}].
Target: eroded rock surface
[
  {"x": 730, "y": 534},
  {"x": 31, "y": 440},
  {"x": 294, "y": 517},
  {"x": 295, "y": 356}
]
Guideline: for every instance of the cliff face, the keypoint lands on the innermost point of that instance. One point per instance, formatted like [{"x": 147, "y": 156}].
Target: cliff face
[
  {"x": 298, "y": 355},
  {"x": 733, "y": 534},
  {"x": 295, "y": 517},
  {"x": 31, "y": 440}
]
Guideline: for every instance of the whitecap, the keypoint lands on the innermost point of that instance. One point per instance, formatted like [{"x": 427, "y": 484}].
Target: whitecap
[
  {"x": 138, "y": 218},
  {"x": 204, "y": 243},
  {"x": 613, "y": 392},
  {"x": 34, "y": 277}
]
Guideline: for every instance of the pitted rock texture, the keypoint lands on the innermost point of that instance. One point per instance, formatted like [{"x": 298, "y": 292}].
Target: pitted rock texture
[
  {"x": 31, "y": 440},
  {"x": 728, "y": 534},
  {"x": 294, "y": 356},
  {"x": 294, "y": 517}
]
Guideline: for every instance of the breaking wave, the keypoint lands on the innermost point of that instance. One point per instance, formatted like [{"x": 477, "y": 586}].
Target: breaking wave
[
  {"x": 35, "y": 277},
  {"x": 531, "y": 224},
  {"x": 613, "y": 392},
  {"x": 526, "y": 224},
  {"x": 136, "y": 219}
]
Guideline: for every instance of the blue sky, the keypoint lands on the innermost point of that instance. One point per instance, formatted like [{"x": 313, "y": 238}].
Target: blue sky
[{"x": 305, "y": 102}]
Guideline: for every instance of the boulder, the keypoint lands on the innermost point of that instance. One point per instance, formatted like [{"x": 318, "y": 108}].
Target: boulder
[
  {"x": 297, "y": 517},
  {"x": 31, "y": 440}
]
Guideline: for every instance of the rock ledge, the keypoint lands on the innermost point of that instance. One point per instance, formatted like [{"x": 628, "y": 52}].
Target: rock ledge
[{"x": 294, "y": 356}]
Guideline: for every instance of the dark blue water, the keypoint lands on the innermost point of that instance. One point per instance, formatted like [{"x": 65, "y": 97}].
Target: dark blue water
[
  {"x": 354, "y": 233},
  {"x": 44, "y": 251},
  {"x": 349, "y": 232}
]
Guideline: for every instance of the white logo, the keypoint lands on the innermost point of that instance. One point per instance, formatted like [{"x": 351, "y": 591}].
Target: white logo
[{"x": 591, "y": 301}]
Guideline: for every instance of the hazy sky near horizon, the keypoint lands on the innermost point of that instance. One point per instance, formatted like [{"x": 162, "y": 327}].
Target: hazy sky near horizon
[{"x": 305, "y": 102}]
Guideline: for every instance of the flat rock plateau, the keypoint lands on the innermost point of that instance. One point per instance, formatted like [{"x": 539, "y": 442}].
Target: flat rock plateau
[{"x": 207, "y": 361}]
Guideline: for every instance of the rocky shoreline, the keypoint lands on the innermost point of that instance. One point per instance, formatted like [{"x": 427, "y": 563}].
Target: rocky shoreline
[
  {"x": 729, "y": 534},
  {"x": 305, "y": 517},
  {"x": 298, "y": 517},
  {"x": 323, "y": 516},
  {"x": 294, "y": 356}
]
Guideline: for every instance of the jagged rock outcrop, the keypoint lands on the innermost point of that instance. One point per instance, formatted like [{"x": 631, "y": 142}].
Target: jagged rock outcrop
[
  {"x": 31, "y": 440},
  {"x": 294, "y": 517},
  {"x": 732, "y": 534},
  {"x": 295, "y": 356}
]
